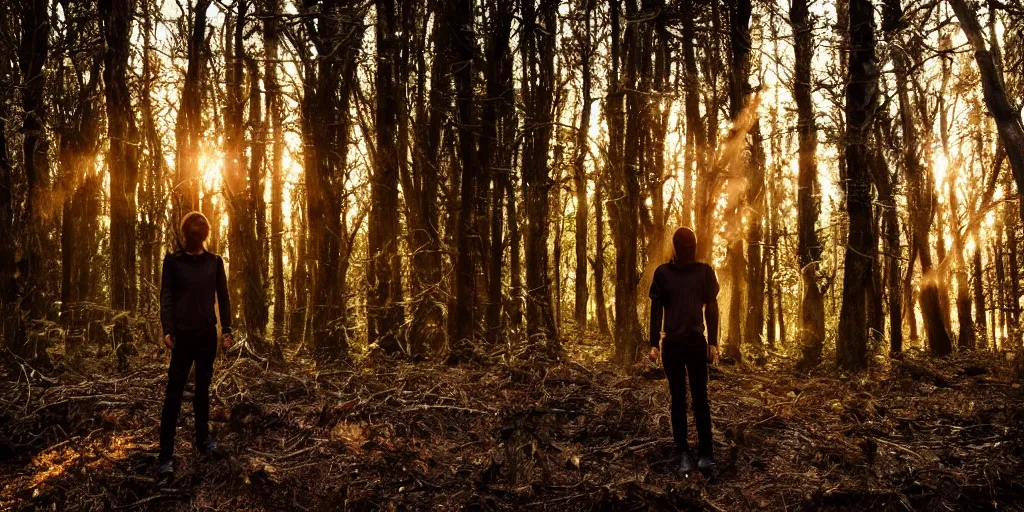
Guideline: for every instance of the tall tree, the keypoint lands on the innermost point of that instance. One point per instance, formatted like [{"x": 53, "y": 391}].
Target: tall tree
[
  {"x": 326, "y": 123},
  {"x": 420, "y": 187},
  {"x": 271, "y": 43},
  {"x": 580, "y": 174},
  {"x": 500, "y": 98},
  {"x": 123, "y": 164},
  {"x": 188, "y": 127},
  {"x": 465, "y": 263},
  {"x": 740, "y": 92},
  {"x": 28, "y": 283},
  {"x": 861, "y": 97},
  {"x": 624, "y": 178},
  {"x": 537, "y": 46},
  {"x": 385, "y": 314},
  {"x": 812, "y": 303}
]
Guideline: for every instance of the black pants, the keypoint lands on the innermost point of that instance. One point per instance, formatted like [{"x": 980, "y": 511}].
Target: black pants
[
  {"x": 682, "y": 358},
  {"x": 199, "y": 347}
]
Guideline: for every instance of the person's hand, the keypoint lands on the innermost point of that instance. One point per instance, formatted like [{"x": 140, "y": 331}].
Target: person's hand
[
  {"x": 655, "y": 354},
  {"x": 169, "y": 341},
  {"x": 712, "y": 354},
  {"x": 227, "y": 340}
]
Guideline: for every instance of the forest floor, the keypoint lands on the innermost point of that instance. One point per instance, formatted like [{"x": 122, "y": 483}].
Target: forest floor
[{"x": 580, "y": 434}]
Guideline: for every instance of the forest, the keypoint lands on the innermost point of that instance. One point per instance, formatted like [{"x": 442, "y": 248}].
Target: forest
[{"x": 440, "y": 221}]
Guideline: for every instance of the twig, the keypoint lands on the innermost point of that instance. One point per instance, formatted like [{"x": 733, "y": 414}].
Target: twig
[
  {"x": 900, "y": 447},
  {"x": 420, "y": 407},
  {"x": 151, "y": 498}
]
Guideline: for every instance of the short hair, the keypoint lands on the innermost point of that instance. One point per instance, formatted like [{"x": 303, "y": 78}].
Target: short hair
[
  {"x": 685, "y": 244},
  {"x": 195, "y": 228}
]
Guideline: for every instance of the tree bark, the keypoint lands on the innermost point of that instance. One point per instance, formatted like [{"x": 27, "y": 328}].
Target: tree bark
[
  {"x": 580, "y": 177},
  {"x": 754, "y": 200},
  {"x": 625, "y": 182},
  {"x": 325, "y": 124},
  {"x": 538, "y": 49},
  {"x": 861, "y": 92},
  {"x": 385, "y": 314},
  {"x": 465, "y": 323},
  {"x": 501, "y": 95},
  {"x": 123, "y": 164},
  {"x": 188, "y": 127},
  {"x": 812, "y": 302},
  {"x": 271, "y": 43}
]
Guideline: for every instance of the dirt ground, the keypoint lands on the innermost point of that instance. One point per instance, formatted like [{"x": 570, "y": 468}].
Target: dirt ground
[{"x": 517, "y": 434}]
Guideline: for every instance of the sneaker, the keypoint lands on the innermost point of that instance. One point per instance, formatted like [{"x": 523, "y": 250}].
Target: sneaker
[
  {"x": 705, "y": 464},
  {"x": 685, "y": 463},
  {"x": 209, "y": 448},
  {"x": 165, "y": 469}
]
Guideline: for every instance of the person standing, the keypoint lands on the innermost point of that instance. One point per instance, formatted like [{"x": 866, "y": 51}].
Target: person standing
[
  {"x": 192, "y": 280},
  {"x": 684, "y": 300}
]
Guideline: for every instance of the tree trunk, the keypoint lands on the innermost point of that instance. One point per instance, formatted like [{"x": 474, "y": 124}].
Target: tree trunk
[
  {"x": 9, "y": 228},
  {"x": 236, "y": 187},
  {"x": 152, "y": 189},
  {"x": 515, "y": 269},
  {"x": 123, "y": 164},
  {"x": 703, "y": 204},
  {"x": 256, "y": 305},
  {"x": 1001, "y": 300},
  {"x": 538, "y": 48},
  {"x": 325, "y": 125},
  {"x": 465, "y": 323},
  {"x": 599, "y": 298},
  {"x": 188, "y": 127},
  {"x": 981, "y": 327},
  {"x": 421, "y": 188},
  {"x": 812, "y": 303},
  {"x": 1013, "y": 300},
  {"x": 271, "y": 42},
  {"x": 861, "y": 91},
  {"x": 300, "y": 269},
  {"x": 625, "y": 179},
  {"x": 385, "y": 314},
  {"x": 580, "y": 178},
  {"x": 734, "y": 330},
  {"x": 501, "y": 95}
]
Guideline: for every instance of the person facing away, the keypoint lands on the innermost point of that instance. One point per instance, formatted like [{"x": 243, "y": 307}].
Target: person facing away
[
  {"x": 684, "y": 295},
  {"x": 192, "y": 278}
]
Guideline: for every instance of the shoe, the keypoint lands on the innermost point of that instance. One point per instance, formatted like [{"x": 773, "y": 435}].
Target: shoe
[
  {"x": 705, "y": 464},
  {"x": 165, "y": 469},
  {"x": 685, "y": 463},
  {"x": 209, "y": 448}
]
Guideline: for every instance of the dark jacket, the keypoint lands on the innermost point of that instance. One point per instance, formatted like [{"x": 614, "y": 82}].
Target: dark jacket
[
  {"x": 189, "y": 285},
  {"x": 682, "y": 290}
]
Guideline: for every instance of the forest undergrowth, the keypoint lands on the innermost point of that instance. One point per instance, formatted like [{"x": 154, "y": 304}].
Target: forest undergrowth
[{"x": 519, "y": 433}]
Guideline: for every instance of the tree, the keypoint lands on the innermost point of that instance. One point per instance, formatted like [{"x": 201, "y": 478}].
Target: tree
[
  {"x": 328, "y": 86},
  {"x": 123, "y": 165},
  {"x": 384, "y": 303},
  {"x": 537, "y": 46},
  {"x": 580, "y": 175},
  {"x": 188, "y": 128},
  {"x": 861, "y": 91},
  {"x": 271, "y": 42},
  {"x": 1008, "y": 119},
  {"x": 812, "y": 303},
  {"x": 466, "y": 264}
]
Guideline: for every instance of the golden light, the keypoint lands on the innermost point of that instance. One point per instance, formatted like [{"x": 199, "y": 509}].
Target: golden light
[
  {"x": 211, "y": 167},
  {"x": 940, "y": 166}
]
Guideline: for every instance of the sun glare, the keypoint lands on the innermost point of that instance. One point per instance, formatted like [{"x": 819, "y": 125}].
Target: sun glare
[{"x": 211, "y": 167}]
